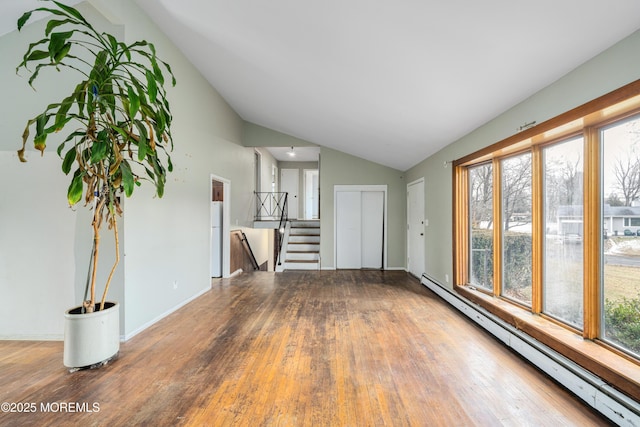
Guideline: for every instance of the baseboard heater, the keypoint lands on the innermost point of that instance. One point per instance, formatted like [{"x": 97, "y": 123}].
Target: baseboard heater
[{"x": 605, "y": 399}]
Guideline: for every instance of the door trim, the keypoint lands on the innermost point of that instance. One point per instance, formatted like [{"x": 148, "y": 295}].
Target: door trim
[{"x": 371, "y": 187}]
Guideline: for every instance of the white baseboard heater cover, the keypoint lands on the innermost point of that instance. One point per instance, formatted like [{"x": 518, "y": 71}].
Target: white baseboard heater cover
[{"x": 611, "y": 403}]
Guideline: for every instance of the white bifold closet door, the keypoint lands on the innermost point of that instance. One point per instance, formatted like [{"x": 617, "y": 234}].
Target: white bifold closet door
[{"x": 360, "y": 229}]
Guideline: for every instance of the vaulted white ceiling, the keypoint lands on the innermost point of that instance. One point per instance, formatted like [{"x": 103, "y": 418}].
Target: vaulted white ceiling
[{"x": 392, "y": 81}]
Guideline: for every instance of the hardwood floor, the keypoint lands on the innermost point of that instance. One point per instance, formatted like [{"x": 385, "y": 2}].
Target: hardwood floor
[{"x": 345, "y": 348}]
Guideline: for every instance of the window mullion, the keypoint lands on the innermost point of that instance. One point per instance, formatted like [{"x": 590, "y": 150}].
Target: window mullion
[
  {"x": 537, "y": 210},
  {"x": 497, "y": 228},
  {"x": 592, "y": 229}
]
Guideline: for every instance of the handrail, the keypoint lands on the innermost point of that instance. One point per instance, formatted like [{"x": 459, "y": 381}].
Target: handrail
[
  {"x": 254, "y": 261},
  {"x": 283, "y": 222}
]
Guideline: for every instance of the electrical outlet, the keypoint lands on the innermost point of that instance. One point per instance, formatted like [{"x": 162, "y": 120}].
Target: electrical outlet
[
  {"x": 446, "y": 278},
  {"x": 175, "y": 284}
]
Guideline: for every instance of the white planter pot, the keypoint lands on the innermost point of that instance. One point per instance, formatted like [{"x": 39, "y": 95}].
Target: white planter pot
[{"x": 91, "y": 338}]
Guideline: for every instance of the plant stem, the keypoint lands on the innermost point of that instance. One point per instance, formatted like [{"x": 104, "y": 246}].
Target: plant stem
[
  {"x": 114, "y": 224},
  {"x": 96, "y": 243},
  {"x": 97, "y": 222}
]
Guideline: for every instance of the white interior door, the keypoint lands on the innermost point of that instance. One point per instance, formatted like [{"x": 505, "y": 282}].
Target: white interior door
[
  {"x": 415, "y": 227},
  {"x": 348, "y": 229},
  {"x": 372, "y": 221},
  {"x": 289, "y": 183}
]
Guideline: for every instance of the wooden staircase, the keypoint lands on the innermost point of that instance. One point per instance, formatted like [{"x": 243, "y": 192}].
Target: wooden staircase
[{"x": 301, "y": 250}]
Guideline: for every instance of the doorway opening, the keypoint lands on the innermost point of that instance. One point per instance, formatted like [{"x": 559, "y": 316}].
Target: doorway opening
[
  {"x": 311, "y": 194},
  {"x": 219, "y": 234}
]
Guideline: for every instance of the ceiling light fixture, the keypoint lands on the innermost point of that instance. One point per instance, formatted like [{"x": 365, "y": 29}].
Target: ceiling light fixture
[{"x": 291, "y": 153}]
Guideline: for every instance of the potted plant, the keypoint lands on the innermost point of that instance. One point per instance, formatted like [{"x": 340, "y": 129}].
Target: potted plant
[{"x": 117, "y": 134}]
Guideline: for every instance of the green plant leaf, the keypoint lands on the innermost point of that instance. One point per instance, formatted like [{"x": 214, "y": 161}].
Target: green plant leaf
[
  {"x": 37, "y": 55},
  {"x": 161, "y": 175},
  {"x": 121, "y": 131},
  {"x": 143, "y": 141},
  {"x": 80, "y": 94},
  {"x": 152, "y": 87},
  {"x": 134, "y": 102},
  {"x": 72, "y": 11},
  {"x": 173, "y": 78},
  {"x": 28, "y": 52},
  {"x": 90, "y": 98},
  {"x": 141, "y": 91},
  {"x": 108, "y": 99},
  {"x": 157, "y": 72},
  {"x": 41, "y": 122},
  {"x": 74, "y": 193},
  {"x": 68, "y": 160},
  {"x": 99, "y": 147},
  {"x": 62, "y": 53},
  {"x": 112, "y": 41},
  {"x": 36, "y": 72},
  {"x": 160, "y": 122},
  {"x": 23, "y": 19},
  {"x": 54, "y": 23},
  {"x": 99, "y": 72},
  {"x": 61, "y": 115},
  {"x": 127, "y": 178},
  {"x": 57, "y": 42}
]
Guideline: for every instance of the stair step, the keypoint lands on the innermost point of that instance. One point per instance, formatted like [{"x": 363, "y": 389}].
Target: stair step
[
  {"x": 302, "y": 256},
  {"x": 299, "y": 265},
  {"x": 303, "y": 239},
  {"x": 305, "y": 247},
  {"x": 305, "y": 232},
  {"x": 308, "y": 224}
]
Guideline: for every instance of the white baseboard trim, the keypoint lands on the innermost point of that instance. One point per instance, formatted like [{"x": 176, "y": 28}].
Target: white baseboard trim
[
  {"x": 130, "y": 335},
  {"x": 594, "y": 391}
]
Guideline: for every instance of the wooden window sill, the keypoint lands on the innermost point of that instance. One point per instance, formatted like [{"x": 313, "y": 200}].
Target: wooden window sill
[{"x": 615, "y": 369}]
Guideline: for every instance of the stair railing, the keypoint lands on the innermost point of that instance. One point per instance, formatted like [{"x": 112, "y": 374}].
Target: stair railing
[
  {"x": 270, "y": 205},
  {"x": 281, "y": 227}
]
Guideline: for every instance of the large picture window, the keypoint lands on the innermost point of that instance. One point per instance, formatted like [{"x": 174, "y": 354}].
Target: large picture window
[{"x": 548, "y": 222}]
